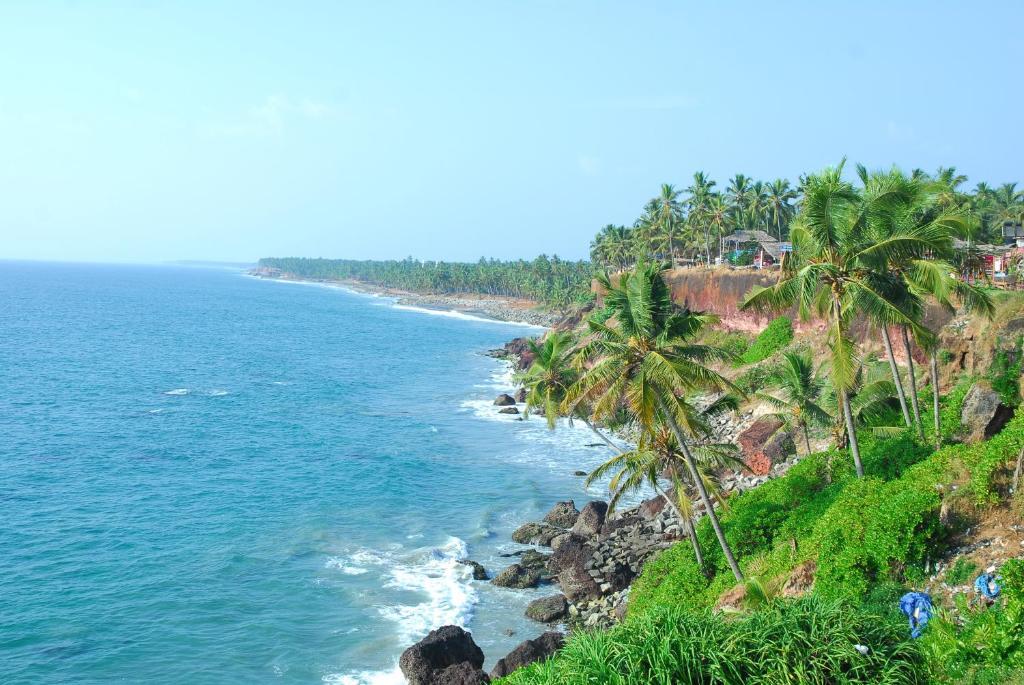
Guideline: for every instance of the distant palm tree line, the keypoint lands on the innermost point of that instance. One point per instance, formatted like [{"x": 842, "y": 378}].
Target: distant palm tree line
[
  {"x": 549, "y": 280},
  {"x": 689, "y": 223}
]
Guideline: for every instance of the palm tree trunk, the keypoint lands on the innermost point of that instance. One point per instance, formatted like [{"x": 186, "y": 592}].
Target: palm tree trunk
[
  {"x": 844, "y": 399},
  {"x": 604, "y": 438},
  {"x": 703, "y": 491},
  {"x": 687, "y": 524},
  {"x": 913, "y": 382},
  {"x": 807, "y": 439},
  {"x": 934, "y": 364},
  {"x": 896, "y": 375}
]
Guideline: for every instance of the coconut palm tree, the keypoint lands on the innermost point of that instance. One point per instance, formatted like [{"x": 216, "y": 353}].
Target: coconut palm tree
[
  {"x": 800, "y": 388},
  {"x": 647, "y": 362},
  {"x": 657, "y": 455},
  {"x": 739, "y": 196},
  {"x": 780, "y": 195},
  {"x": 550, "y": 376},
  {"x": 833, "y": 273},
  {"x": 698, "y": 202},
  {"x": 668, "y": 215}
]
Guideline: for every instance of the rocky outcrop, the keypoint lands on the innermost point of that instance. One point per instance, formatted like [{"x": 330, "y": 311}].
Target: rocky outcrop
[
  {"x": 801, "y": 579},
  {"x": 563, "y": 514},
  {"x": 591, "y": 519},
  {"x": 983, "y": 413},
  {"x": 479, "y": 572},
  {"x": 504, "y": 400},
  {"x": 447, "y": 655},
  {"x": 548, "y": 609},
  {"x": 508, "y": 410},
  {"x": 756, "y": 436},
  {"x": 527, "y": 653},
  {"x": 521, "y": 395},
  {"x": 536, "y": 534},
  {"x": 780, "y": 446},
  {"x": 517, "y": 576}
]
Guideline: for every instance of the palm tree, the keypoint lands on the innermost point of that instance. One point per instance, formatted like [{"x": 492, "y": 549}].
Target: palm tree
[
  {"x": 800, "y": 391},
  {"x": 739, "y": 197},
  {"x": 549, "y": 378},
  {"x": 699, "y": 200},
  {"x": 648, "y": 363},
  {"x": 658, "y": 455},
  {"x": 833, "y": 273},
  {"x": 668, "y": 215},
  {"x": 780, "y": 195}
]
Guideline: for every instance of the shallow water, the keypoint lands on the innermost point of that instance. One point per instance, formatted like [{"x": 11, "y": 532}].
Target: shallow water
[{"x": 209, "y": 478}]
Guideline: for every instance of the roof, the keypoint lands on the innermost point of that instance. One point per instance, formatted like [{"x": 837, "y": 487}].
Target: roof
[
  {"x": 750, "y": 237},
  {"x": 982, "y": 248}
]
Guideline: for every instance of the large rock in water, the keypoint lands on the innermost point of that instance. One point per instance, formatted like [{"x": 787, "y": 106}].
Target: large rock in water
[
  {"x": 527, "y": 653},
  {"x": 504, "y": 400},
  {"x": 563, "y": 514},
  {"x": 547, "y": 609},
  {"x": 508, "y": 410},
  {"x": 753, "y": 439},
  {"x": 591, "y": 519},
  {"x": 479, "y": 572},
  {"x": 446, "y": 655},
  {"x": 521, "y": 395},
  {"x": 570, "y": 563},
  {"x": 535, "y": 534},
  {"x": 517, "y": 576},
  {"x": 983, "y": 413}
]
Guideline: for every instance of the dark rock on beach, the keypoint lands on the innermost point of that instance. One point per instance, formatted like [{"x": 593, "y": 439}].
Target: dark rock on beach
[
  {"x": 579, "y": 473},
  {"x": 527, "y": 653},
  {"x": 563, "y": 514},
  {"x": 534, "y": 560},
  {"x": 508, "y": 410},
  {"x": 446, "y": 655},
  {"x": 535, "y": 534},
  {"x": 517, "y": 576},
  {"x": 504, "y": 400},
  {"x": 548, "y": 609},
  {"x": 591, "y": 519},
  {"x": 479, "y": 572},
  {"x": 521, "y": 395}
]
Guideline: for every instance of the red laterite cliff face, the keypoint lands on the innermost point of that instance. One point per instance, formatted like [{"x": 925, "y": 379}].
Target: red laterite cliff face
[{"x": 720, "y": 292}]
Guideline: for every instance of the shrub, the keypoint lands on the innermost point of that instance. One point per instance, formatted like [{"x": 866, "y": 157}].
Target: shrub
[
  {"x": 961, "y": 572},
  {"x": 1004, "y": 374},
  {"x": 988, "y": 460},
  {"x": 773, "y": 338},
  {"x": 790, "y": 641},
  {"x": 670, "y": 579}
]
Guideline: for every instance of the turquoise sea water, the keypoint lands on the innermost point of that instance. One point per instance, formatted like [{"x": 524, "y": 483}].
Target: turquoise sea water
[{"x": 208, "y": 478}]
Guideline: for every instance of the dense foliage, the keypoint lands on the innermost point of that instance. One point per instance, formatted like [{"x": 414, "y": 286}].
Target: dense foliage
[
  {"x": 549, "y": 280},
  {"x": 773, "y": 338},
  {"x": 689, "y": 223},
  {"x": 801, "y": 641}
]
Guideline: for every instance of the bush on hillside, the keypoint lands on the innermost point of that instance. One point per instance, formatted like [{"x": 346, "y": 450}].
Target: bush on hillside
[
  {"x": 1004, "y": 374},
  {"x": 773, "y": 338},
  {"x": 789, "y": 641}
]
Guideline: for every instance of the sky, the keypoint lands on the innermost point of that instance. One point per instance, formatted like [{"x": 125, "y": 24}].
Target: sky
[{"x": 152, "y": 131}]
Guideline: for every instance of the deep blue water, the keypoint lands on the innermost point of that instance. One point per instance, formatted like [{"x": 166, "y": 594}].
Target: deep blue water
[{"x": 208, "y": 478}]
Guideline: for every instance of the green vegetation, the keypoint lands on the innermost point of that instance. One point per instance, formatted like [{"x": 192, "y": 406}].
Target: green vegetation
[
  {"x": 773, "y": 338},
  {"x": 802, "y": 641},
  {"x": 1004, "y": 375},
  {"x": 548, "y": 280}
]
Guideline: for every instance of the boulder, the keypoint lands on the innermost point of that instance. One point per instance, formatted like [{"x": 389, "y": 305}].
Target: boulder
[
  {"x": 461, "y": 674},
  {"x": 572, "y": 551},
  {"x": 520, "y": 395},
  {"x": 753, "y": 439},
  {"x": 527, "y": 653},
  {"x": 426, "y": 661},
  {"x": 619, "y": 522},
  {"x": 563, "y": 514},
  {"x": 548, "y": 609},
  {"x": 557, "y": 541},
  {"x": 479, "y": 572},
  {"x": 591, "y": 519},
  {"x": 517, "y": 576},
  {"x": 758, "y": 464},
  {"x": 780, "y": 446},
  {"x": 732, "y": 599},
  {"x": 650, "y": 508},
  {"x": 579, "y": 473},
  {"x": 801, "y": 579},
  {"x": 535, "y": 534},
  {"x": 569, "y": 562},
  {"x": 508, "y": 410},
  {"x": 504, "y": 400},
  {"x": 534, "y": 560},
  {"x": 983, "y": 413}
]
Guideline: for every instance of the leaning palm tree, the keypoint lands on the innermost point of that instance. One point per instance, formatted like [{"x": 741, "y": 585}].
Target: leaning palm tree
[
  {"x": 799, "y": 394},
  {"x": 647, "y": 362},
  {"x": 658, "y": 456},
  {"x": 550, "y": 376},
  {"x": 833, "y": 274}
]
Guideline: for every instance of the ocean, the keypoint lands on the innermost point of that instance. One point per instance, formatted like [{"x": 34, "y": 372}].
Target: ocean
[{"x": 210, "y": 478}]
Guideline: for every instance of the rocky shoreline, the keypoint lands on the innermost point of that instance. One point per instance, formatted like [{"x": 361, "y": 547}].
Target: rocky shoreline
[
  {"x": 589, "y": 556},
  {"x": 507, "y": 309}
]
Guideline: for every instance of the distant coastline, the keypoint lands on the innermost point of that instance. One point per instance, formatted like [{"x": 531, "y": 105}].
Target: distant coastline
[{"x": 509, "y": 309}]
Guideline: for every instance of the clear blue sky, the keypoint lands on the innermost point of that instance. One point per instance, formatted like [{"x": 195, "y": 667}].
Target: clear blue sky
[{"x": 145, "y": 131}]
